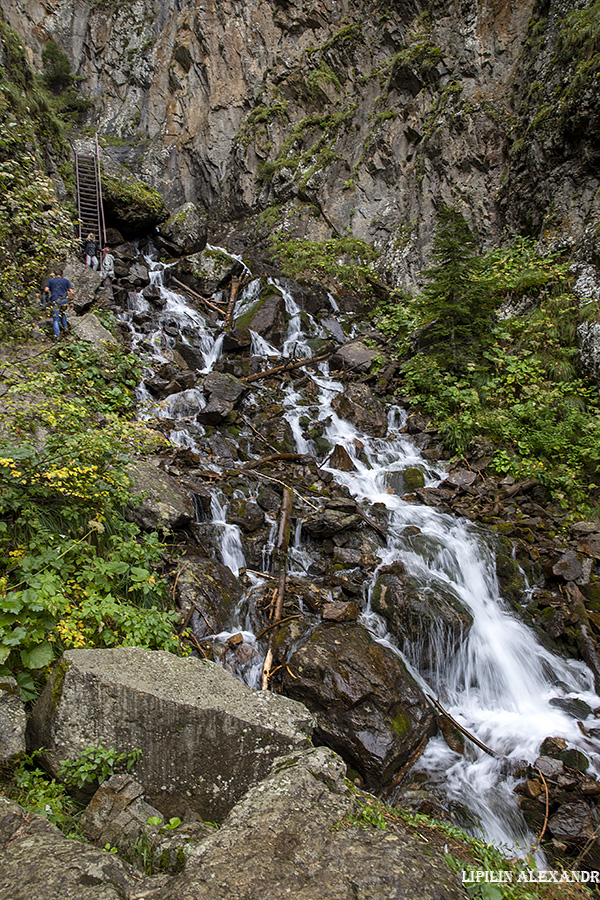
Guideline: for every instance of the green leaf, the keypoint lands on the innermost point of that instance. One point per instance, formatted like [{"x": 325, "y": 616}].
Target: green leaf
[{"x": 38, "y": 656}]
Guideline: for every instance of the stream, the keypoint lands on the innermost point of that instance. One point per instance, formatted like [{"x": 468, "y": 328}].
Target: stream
[{"x": 500, "y": 683}]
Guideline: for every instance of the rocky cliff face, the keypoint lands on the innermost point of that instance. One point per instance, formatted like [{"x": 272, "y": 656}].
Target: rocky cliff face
[{"x": 329, "y": 117}]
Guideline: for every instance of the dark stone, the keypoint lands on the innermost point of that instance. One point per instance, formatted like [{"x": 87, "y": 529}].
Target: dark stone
[
  {"x": 431, "y": 624},
  {"x": 341, "y": 611},
  {"x": 224, "y": 393},
  {"x": 245, "y": 513},
  {"x": 207, "y": 271},
  {"x": 327, "y": 522},
  {"x": 550, "y": 768},
  {"x": 368, "y": 706},
  {"x": 572, "y": 706},
  {"x": 267, "y": 318},
  {"x": 211, "y": 589},
  {"x": 359, "y": 404},
  {"x": 340, "y": 459},
  {"x": 573, "y": 823}
]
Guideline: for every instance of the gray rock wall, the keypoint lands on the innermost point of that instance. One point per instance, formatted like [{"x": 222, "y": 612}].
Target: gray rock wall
[{"x": 334, "y": 115}]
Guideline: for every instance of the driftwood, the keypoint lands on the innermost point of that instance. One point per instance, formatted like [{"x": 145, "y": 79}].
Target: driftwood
[
  {"x": 287, "y": 367},
  {"x": 274, "y": 457},
  {"x": 435, "y": 702},
  {"x": 235, "y": 286},
  {"x": 194, "y": 293},
  {"x": 281, "y": 547},
  {"x": 278, "y": 622}
]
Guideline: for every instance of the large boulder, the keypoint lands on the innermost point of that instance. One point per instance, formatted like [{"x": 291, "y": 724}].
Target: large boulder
[
  {"x": 292, "y": 836},
  {"x": 207, "y": 271},
  {"x": 88, "y": 328},
  {"x": 358, "y": 403},
  {"x": 300, "y": 833},
  {"x": 85, "y": 281},
  {"x": 355, "y": 356},
  {"x": 205, "y": 737},
  {"x": 37, "y": 862},
  {"x": 164, "y": 505},
  {"x": 131, "y": 205},
  {"x": 430, "y": 624},
  {"x": 185, "y": 231},
  {"x": 367, "y": 705},
  {"x": 266, "y": 317}
]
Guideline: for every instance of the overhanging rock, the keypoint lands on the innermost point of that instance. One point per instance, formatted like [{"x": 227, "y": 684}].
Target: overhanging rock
[{"x": 205, "y": 737}]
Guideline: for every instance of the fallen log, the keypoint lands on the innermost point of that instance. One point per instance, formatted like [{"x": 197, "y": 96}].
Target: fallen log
[
  {"x": 274, "y": 457},
  {"x": 235, "y": 286},
  {"x": 281, "y": 547},
  {"x": 287, "y": 367},
  {"x": 194, "y": 293}
]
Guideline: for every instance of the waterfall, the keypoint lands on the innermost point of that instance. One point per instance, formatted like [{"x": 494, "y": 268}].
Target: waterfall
[{"x": 499, "y": 682}]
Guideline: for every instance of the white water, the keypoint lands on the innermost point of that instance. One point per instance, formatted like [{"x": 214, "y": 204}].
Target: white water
[{"x": 500, "y": 682}]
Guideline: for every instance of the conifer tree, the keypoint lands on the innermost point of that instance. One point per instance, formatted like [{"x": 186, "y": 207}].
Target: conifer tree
[{"x": 455, "y": 302}]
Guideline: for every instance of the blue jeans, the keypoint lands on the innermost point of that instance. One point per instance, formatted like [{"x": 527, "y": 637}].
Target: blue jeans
[{"x": 59, "y": 318}]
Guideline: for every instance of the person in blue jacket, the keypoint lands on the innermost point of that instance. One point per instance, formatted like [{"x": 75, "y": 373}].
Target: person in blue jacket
[{"x": 58, "y": 294}]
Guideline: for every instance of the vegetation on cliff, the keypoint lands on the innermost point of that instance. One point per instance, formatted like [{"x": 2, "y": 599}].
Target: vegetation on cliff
[{"x": 511, "y": 379}]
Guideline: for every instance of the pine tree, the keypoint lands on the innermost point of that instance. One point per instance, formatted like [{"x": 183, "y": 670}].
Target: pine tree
[{"x": 455, "y": 302}]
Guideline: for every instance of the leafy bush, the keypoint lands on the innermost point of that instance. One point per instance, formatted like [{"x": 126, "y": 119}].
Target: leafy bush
[{"x": 95, "y": 765}]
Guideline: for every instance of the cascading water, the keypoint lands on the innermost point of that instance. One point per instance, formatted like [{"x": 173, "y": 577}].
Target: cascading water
[{"x": 500, "y": 682}]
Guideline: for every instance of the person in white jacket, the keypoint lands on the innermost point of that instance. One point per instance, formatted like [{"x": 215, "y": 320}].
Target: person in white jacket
[{"x": 108, "y": 264}]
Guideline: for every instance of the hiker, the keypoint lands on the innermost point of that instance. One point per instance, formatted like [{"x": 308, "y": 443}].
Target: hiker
[
  {"x": 90, "y": 251},
  {"x": 108, "y": 264},
  {"x": 59, "y": 293}
]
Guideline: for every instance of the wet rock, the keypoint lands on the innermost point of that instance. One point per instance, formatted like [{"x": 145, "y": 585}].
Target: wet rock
[
  {"x": 224, "y": 393},
  {"x": 138, "y": 275},
  {"x": 185, "y": 230},
  {"x": 413, "y": 478},
  {"x": 552, "y": 746},
  {"x": 571, "y": 705},
  {"x": 153, "y": 295},
  {"x": 12, "y": 721},
  {"x": 355, "y": 356},
  {"x": 358, "y": 404},
  {"x": 341, "y": 459},
  {"x": 245, "y": 513},
  {"x": 119, "y": 816},
  {"x": 210, "y": 589},
  {"x": 207, "y": 271},
  {"x": 367, "y": 705},
  {"x": 206, "y": 737},
  {"x": 573, "y": 823},
  {"x": 550, "y": 768},
  {"x": 267, "y": 318},
  {"x": 430, "y": 625},
  {"x": 574, "y": 759},
  {"x": 88, "y": 328},
  {"x": 164, "y": 504},
  {"x": 333, "y": 327},
  {"x": 327, "y": 522},
  {"x": 341, "y": 611}
]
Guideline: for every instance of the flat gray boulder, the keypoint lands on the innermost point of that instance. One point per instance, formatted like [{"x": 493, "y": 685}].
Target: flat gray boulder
[
  {"x": 205, "y": 737},
  {"x": 88, "y": 328},
  {"x": 356, "y": 357}
]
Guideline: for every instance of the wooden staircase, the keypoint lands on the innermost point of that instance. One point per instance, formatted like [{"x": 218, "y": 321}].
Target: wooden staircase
[{"x": 89, "y": 195}]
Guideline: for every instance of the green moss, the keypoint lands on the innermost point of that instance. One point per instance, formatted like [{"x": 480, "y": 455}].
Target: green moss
[
  {"x": 129, "y": 191},
  {"x": 401, "y": 724},
  {"x": 60, "y": 673}
]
